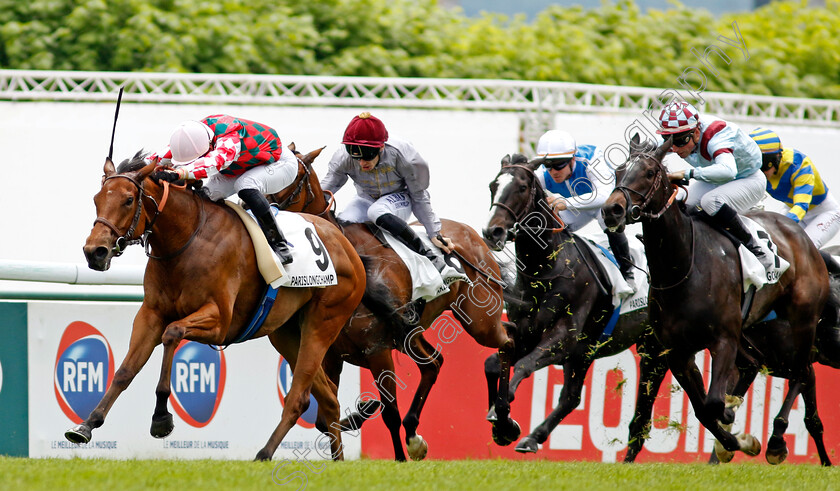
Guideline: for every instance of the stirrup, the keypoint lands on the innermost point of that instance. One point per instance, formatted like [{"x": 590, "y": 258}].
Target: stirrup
[
  {"x": 283, "y": 252},
  {"x": 437, "y": 261}
]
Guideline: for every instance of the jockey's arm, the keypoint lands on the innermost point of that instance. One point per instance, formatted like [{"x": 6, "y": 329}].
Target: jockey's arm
[
  {"x": 225, "y": 152},
  {"x": 802, "y": 183},
  {"x": 336, "y": 176}
]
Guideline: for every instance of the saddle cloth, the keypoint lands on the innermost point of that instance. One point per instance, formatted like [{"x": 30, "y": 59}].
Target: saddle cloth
[
  {"x": 427, "y": 283},
  {"x": 623, "y": 295},
  {"x": 753, "y": 270},
  {"x": 312, "y": 265}
]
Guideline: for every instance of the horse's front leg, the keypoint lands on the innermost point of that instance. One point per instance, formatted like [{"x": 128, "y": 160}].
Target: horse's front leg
[
  {"x": 202, "y": 325},
  {"x": 505, "y": 429},
  {"x": 145, "y": 335},
  {"x": 574, "y": 374},
  {"x": 429, "y": 361},
  {"x": 492, "y": 373},
  {"x": 723, "y": 371},
  {"x": 688, "y": 375},
  {"x": 652, "y": 370}
]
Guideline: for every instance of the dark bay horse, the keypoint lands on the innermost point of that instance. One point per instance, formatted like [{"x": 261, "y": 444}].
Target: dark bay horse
[
  {"x": 568, "y": 305},
  {"x": 202, "y": 284},
  {"x": 367, "y": 341},
  {"x": 696, "y": 301}
]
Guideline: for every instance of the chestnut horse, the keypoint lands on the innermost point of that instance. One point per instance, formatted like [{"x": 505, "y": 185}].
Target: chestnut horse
[
  {"x": 202, "y": 284},
  {"x": 368, "y": 340},
  {"x": 568, "y": 307},
  {"x": 696, "y": 296}
]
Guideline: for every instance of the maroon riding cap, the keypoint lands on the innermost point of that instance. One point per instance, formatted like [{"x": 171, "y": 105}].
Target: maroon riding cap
[{"x": 365, "y": 130}]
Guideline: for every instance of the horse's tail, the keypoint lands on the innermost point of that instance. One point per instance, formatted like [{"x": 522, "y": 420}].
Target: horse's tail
[
  {"x": 382, "y": 304},
  {"x": 828, "y": 328}
]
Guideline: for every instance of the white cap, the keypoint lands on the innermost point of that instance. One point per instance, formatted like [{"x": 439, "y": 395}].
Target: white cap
[
  {"x": 189, "y": 141},
  {"x": 556, "y": 144}
]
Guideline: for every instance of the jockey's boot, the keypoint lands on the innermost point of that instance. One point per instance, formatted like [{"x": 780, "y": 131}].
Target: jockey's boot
[
  {"x": 727, "y": 219},
  {"x": 621, "y": 250},
  {"x": 399, "y": 229},
  {"x": 262, "y": 211}
]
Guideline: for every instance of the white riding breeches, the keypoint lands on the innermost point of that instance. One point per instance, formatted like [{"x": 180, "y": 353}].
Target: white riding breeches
[
  {"x": 822, "y": 222},
  {"x": 576, "y": 219},
  {"x": 740, "y": 194},
  {"x": 364, "y": 208},
  {"x": 267, "y": 179}
]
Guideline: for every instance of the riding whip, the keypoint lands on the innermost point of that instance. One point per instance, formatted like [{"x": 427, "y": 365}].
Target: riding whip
[{"x": 114, "y": 130}]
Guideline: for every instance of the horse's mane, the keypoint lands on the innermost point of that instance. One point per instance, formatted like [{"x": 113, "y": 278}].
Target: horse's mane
[
  {"x": 134, "y": 163},
  {"x": 646, "y": 147},
  {"x": 518, "y": 158}
]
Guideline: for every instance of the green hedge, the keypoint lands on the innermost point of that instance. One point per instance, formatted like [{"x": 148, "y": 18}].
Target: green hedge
[{"x": 794, "y": 49}]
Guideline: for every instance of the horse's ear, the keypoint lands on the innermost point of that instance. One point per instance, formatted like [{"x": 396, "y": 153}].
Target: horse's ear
[
  {"x": 146, "y": 170},
  {"x": 311, "y": 156},
  {"x": 536, "y": 163},
  {"x": 292, "y": 147},
  {"x": 109, "y": 169},
  {"x": 635, "y": 143},
  {"x": 506, "y": 160},
  {"x": 662, "y": 150}
]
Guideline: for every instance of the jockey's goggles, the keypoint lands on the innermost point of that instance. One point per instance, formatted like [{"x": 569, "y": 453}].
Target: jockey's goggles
[
  {"x": 557, "y": 164},
  {"x": 360, "y": 152},
  {"x": 680, "y": 139}
]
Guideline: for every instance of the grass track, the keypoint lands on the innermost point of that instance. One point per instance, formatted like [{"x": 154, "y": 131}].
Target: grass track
[{"x": 470, "y": 475}]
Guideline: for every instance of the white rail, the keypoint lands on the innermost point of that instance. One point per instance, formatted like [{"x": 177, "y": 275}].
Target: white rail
[
  {"x": 73, "y": 274},
  {"x": 542, "y": 98}
]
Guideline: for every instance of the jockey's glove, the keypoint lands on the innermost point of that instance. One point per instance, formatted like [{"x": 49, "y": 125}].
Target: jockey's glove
[{"x": 167, "y": 175}]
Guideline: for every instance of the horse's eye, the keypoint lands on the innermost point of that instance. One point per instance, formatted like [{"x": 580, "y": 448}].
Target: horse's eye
[
  {"x": 650, "y": 174},
  {"x": 129, "y": 201},
  {"x": 523, "y": 188}
]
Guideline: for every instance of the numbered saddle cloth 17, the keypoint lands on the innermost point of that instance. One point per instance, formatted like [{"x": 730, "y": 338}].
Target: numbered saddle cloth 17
[
  {"x": 427, "y": 283},
  {"x": 753, "y": 271},
  {"x": 311, "y": 265}
]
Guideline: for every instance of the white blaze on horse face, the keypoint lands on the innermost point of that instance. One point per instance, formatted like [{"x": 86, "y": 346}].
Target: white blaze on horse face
[{"x": 502, "y": 182}]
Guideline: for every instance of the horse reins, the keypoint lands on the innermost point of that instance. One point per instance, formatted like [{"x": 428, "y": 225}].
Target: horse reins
[
  {"x": 533, "y": 205},
  {"x": 637, "y": 211},
  {"x": 517, "y": 217},
  {"x": 127, "y": 239},
  {"x": 303, "y": 181}
]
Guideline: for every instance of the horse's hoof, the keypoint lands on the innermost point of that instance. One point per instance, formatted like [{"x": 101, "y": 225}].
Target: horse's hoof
[
  {"x": 162, "y": 426},
  {"x": 417, "y": 448},
  {"x": 777, "y": 451},
  {"x": 527, "y": 445},
  {"x": 723, "y": 455},
  {"x": 749, "y": 444},
  {"x": 262, "y": 456},
  {"x": 775, "y": 459},
  {"x": 505, "y": 434},
  {"x": 78, "y": 434},
  {"x": 491, "y": 415}
]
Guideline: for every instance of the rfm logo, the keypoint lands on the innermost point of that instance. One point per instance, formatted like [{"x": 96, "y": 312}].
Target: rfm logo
[
  {"x": 284, "y": 383},
  {"x": 84, "y": 369},
  {"x": 198, "y": 382}
]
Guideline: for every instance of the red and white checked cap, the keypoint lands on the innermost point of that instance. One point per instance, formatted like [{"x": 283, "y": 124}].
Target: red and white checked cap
[{"x": 678, "y": 117}]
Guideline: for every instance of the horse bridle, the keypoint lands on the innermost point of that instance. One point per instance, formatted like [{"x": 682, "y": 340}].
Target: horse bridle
[
  {"x": 635, "y": 211},
  {"x": 125, "y": 240},
  {"x": 304, "y": 181},
  {"x": 517, "y": 217}
]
